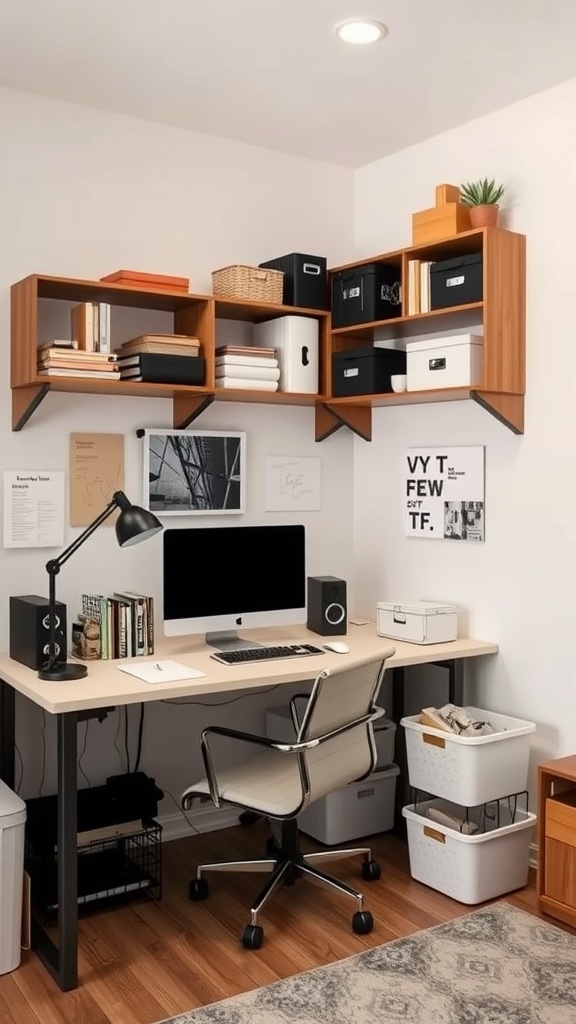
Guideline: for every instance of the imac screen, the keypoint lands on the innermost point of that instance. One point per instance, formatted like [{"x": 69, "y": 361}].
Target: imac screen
[{"x": 225, "y": 578}]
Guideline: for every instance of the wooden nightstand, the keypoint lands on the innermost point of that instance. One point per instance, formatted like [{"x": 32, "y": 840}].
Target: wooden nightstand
[{"x": 557, "y": 839}]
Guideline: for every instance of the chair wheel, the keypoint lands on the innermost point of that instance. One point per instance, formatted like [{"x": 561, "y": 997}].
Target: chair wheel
[
  {"x": 371, "y": 871},
  {"x": 252, "y": 936},
  {"x": 198, "y": 889},
  {"x": 362, "y": 922}
]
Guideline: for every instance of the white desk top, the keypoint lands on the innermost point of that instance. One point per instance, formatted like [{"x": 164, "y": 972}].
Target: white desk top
[{"x": 105, "y": 685}]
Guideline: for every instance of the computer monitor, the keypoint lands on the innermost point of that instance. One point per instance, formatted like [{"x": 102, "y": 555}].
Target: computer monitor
[{"x": 220, "y": 579}]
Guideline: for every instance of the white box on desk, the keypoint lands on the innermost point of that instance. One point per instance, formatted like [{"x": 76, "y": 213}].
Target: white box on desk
[
  {"x": 452, "y": 362},
  {"x": 418, "y": 622}
]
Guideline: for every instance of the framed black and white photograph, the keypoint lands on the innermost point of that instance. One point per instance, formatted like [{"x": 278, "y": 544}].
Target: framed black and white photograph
[{"x": 190, "y": 472}]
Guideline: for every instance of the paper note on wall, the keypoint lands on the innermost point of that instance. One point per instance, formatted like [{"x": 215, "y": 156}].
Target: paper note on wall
[
  {"x": 33, "y": 509},
  {"x": 96, "y": 472},
  {"x": 293, "y": 483}
]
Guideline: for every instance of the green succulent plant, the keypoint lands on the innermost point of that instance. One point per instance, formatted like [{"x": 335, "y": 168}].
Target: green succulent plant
[{"x": 481, "y": 193}]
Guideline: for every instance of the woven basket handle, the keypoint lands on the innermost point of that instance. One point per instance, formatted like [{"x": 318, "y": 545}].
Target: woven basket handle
[{"x": 259, "y": 275}]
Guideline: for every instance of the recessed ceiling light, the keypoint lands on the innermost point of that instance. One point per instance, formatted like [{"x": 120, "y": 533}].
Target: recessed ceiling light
[{"x": 360, "y": 32}]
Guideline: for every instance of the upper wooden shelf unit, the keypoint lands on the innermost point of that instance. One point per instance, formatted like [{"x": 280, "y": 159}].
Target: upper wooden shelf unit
[{"x": 501, "y": 315}]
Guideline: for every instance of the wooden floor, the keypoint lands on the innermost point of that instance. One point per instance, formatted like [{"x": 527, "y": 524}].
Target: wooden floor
[{"x": 143, "y": 961}]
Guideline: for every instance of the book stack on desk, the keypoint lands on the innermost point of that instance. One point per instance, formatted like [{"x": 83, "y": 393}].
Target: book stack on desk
[
  {"x": 162, "y": 359},
  {"x": 244, "y": 367},
  {"x": 121, "y": 626}
]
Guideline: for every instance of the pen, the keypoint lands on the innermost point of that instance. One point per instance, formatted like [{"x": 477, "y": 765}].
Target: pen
[{"x": 159, "y": 667}]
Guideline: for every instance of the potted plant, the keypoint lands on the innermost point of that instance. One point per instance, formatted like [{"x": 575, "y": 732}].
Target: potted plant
[{"x": 482, "y": 198}]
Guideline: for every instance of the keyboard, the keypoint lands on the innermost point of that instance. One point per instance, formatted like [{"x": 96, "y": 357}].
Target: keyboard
[{"x": 248, "y": 654}]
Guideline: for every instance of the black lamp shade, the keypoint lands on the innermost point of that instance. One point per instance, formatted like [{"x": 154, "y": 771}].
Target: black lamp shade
[{"x": 135, "y": 524}]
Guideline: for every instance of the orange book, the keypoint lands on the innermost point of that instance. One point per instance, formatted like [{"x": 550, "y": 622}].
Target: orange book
[{"x": 137, "y": 278}]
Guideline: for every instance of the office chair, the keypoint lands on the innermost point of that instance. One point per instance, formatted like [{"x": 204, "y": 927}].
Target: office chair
[{"x": 334, "y": 746}]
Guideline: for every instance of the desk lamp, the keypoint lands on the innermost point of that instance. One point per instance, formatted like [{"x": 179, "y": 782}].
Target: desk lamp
[{"x": 133, "y": 525}]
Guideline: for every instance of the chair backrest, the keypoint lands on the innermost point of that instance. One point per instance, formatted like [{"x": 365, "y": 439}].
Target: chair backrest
[{"x": 338, "y": 699}]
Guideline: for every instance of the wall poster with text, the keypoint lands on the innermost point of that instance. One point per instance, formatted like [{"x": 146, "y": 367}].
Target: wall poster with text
[{"x": 444, "y": 493}]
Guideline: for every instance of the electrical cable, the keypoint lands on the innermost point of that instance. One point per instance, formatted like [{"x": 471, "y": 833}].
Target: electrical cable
[
  {"x": 182, "y": 812},
  {"x": 140, "y": 733},
  {"x": 223, "y": 703},
  {"x": 21, "y": 763},
  {"x": 126, "y": 746},
  {"x": 83, "y": 751}
]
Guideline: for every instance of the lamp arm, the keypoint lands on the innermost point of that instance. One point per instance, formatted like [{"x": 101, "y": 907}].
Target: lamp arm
[{"x": 54, "y": 565}]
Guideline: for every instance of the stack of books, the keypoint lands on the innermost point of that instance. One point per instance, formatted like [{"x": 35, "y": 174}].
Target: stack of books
[
  {"x": 419, "y": 286},
  {"x": 61, "y": 358},
  {"x": 254, "y": 369},
  {"x": 121, "y": 626},
  {"x": 162, "y": 359}
]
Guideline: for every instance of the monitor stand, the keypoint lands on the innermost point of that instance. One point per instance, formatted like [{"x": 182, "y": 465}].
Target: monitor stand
[{"x": 228, "y": 640}]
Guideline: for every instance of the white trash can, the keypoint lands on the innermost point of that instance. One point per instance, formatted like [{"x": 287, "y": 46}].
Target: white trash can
[{"x": 12, "y": 819}]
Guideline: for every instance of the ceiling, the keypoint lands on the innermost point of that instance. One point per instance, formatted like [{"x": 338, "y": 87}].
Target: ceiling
[{"x": 272, "y": 72}]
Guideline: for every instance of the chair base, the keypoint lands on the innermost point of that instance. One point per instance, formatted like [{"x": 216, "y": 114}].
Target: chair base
[{"x": 286, "y": 864}]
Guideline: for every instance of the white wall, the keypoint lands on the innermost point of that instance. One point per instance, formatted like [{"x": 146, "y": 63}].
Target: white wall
[
  {"x": 517, "y": 587},
  {"x": 83, "y": 193}
]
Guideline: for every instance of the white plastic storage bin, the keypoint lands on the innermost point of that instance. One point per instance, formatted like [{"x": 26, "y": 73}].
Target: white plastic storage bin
[
  {"x": 445, "y": 362},
  {"x": 295, "y": 339},
  {"x": 359, "y": 809},
  {"x": 469, "y": 771},
  {"x": 469, "y": 868},
  {"x": 417, "y": 622},
  {"x": 12, "y": 821},
  {"x": 279, "y": 727}
]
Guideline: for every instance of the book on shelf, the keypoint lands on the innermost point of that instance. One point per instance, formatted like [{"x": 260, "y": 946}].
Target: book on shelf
[
  {"x": 58, "y": 344},
  {"x": 81, "y": 371},
  {"x": 164, "y": 348},
  {"x": 244, "y": 372},
  {"x": 246, "y": 350},
  {"x": 233, "y": 361},
  {"x": 54, "y": 363},
  {"x": 190, "y": 340},
  {"x": 419, "y": 286},
  {"x": 83, "y": 325},
  {"x": 248, "y": 384},
  {"x": 90, "y": 326},
  {"x": 74, "y": 356},
  {"x": 163, "y": 369}
]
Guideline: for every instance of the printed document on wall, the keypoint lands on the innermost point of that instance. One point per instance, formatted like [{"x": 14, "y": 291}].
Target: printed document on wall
[
  {"x": 444, "y": 493},
  {"x": 33, "y": 509}
]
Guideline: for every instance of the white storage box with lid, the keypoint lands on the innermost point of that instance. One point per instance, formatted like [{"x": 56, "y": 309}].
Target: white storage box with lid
[
  {"x": 445, "y": 362},
  {"x": 12, "y": 822},
  {"x": 359, "y": 809},
  {"x": 417, "y": 622},
  {"x": 279, "y": 726},
  {"x": 295, "y": 339},
  {"x": 469, "y": 868},
  {"x": 469, "y": 771}
]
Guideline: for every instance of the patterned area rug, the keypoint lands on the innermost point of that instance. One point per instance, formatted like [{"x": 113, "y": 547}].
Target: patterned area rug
[{"x": 494, "y": 966}]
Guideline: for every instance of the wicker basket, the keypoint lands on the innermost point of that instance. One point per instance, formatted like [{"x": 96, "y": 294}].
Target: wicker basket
[{"x": 240, "y": 282}]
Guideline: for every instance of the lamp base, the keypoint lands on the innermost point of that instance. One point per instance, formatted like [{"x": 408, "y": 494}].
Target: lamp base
[{"x": 63, "y": 673}]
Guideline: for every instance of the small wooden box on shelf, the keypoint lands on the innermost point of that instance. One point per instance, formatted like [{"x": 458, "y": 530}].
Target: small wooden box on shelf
[{"x": 557, "y": 839}]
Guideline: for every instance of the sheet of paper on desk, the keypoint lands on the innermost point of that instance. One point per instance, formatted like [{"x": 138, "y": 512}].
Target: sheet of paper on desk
[{"x": 160, "y": 671}]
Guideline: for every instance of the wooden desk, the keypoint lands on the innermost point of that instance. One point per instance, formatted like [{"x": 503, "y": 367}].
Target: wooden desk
[{"x": 106, "y": 687}]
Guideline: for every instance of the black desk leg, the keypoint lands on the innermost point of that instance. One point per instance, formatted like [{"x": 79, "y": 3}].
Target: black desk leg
[
  {"x": 7, "y": 733},
  {"x": 455, "y": 681},
  {"x": 62, "y": 960}
]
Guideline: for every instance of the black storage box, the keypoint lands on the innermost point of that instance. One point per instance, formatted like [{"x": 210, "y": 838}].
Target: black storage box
[
  {"x": 305, "y": 279},
  {"x": 365, "y": 371},
  {"x": 363, "y": 294},
  {"x": 456, "y": 282}
]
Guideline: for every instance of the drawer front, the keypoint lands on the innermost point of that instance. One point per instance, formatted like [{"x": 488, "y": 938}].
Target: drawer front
[
  {"x": 560, "y": 872},
  {"x": 561, "y": 821}
]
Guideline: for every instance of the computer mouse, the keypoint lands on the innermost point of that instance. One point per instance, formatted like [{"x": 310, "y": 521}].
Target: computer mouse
[{"x": 337, "y": 646}]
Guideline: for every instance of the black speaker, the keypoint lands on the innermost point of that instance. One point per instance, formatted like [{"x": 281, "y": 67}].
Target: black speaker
[
  {"x": 326, "y": 605},
  {"x": 30, "y": 633}
]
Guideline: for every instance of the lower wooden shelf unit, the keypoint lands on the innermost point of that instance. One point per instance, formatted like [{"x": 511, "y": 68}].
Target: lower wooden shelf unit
[{"x": 557, "y": 839}]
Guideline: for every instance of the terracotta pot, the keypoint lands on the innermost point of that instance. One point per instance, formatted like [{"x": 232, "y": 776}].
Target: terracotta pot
[{"x": 484, "y": 216}]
